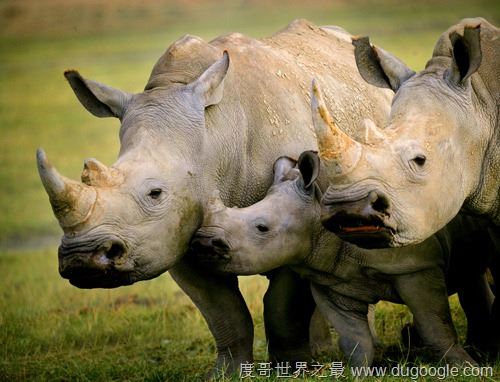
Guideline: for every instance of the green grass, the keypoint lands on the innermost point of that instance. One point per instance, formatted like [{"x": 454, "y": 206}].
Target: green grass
[{"x": 148, "y": 331}]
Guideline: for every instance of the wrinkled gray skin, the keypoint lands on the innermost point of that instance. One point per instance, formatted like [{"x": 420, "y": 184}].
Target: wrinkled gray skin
[
  {"x": 204, "y": 122},
  {"x": 440, "y": 149},
  {"x": 284, "y": 228}
]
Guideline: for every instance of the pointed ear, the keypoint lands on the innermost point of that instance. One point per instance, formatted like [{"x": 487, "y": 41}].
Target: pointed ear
[
  {"x": 281, "y": 167},
  {"x": 309, "y": 167},
  {"x": 378, "y": 67},
  {"x": 99, "y": 99},
  {"x": 466, "y": 51},
  {"x": 210, "y": 85}
]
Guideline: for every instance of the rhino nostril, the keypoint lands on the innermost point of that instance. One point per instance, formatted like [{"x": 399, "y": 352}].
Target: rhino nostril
[
  {"x": 115, "y": 251},
  {"x": 220, "y": 244},
  {"x": 379, "y": 202}
]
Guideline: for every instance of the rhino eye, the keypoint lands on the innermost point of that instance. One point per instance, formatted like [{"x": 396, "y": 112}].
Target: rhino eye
[
  {"x": 420, "y": 160},
  {"x": 262, "y": 228},
  {"x": 155, "y": 193}
]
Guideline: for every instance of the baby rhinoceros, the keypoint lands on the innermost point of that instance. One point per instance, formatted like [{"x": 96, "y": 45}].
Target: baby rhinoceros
[{"x": 284, "y": 229}]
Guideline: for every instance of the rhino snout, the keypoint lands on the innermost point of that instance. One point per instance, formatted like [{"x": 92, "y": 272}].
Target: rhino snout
[
  {"x": 364, "y": 221},
  {"x": 210, "y": 248},
  {"x": 82, "y": 261}
]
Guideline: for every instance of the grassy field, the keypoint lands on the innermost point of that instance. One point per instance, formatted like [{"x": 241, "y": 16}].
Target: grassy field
[{"x": 149, "y": 331}]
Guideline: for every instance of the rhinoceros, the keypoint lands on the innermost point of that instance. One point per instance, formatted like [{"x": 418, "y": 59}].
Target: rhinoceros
[
  {"x": 212, "y": 116},
  {"x": 438, "y": 153},
  {"x": 284, "y": 228}
]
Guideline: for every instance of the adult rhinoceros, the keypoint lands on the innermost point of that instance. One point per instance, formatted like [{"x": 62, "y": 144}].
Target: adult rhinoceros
[
  {"x": 201, "y": 124},
  {"x": 440, "y": 151}
]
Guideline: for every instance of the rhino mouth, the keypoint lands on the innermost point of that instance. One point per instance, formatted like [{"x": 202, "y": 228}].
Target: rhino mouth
[
  {"x": 366, "y": 232},
  {"x": 363, "y": 218},
  {"x": 94, "y": 265}
]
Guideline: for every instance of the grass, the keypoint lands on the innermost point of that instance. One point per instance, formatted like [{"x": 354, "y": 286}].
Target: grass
[{"x": 148, "y": 331}]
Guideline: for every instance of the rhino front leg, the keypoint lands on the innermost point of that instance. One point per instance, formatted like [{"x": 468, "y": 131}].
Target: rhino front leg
[
  {"x": 426, "y": 295},
  {"x": 350, "y": 320},
  {"x": 288, "y": 307},
  {"x": 220, "y": 302},
  {"x": 320, "y": 335}
]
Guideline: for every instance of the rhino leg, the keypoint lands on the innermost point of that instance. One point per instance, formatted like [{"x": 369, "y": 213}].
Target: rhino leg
[
  {"x": 349, "y": 317},
  {"x": 320, "y": 335},
  {"x": 288, "y": 307},
  {"x": 426, "y": 295},
  {"x": 371, "y": 324},
  {"x": 476, "y": 300},
  {"x": 223, "y": 307}
]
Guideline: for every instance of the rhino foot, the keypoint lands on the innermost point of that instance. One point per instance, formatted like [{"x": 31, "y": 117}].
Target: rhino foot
[{"x": 456, "y": 355}]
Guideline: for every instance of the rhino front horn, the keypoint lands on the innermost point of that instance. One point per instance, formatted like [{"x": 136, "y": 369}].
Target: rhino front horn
[
  {"x": 71, "y": 201},
  {"x": 336, "y": 148}
]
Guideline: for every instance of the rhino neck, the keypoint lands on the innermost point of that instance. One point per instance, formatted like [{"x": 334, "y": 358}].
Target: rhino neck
[
  {"x": 326, "y": 247},
  {"x": 485, "y": 199}
]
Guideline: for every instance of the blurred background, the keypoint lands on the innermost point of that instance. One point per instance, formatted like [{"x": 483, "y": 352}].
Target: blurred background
[
  {"x": 117, "y": 42},
  {"x": 46, "y": 325}
]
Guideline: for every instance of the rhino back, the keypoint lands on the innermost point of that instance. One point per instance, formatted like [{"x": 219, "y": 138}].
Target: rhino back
[{"x": 265, "y": 110}]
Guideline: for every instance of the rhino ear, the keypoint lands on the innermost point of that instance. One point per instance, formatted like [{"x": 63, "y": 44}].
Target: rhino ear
[
  {"x": 378, "y": 67},
  {"x": 281, "y": 167},
  {"x": 210, "y": 85},
  {"x": 99, "y": 99},
  {"x": 466, "y": 51},
  {"x": 309, "y": 167}
]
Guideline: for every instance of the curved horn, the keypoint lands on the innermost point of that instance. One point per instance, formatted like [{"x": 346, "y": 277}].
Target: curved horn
[
  {"x": 334, "y": 145},
  {"x": 71, "y": 201}
]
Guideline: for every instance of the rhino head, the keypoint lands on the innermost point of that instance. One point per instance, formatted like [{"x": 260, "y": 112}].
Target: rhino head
[
  {"x": 276, "y": 231},
  {"x": 134, "y": 220},
  {"x": 438, "y": 151}
]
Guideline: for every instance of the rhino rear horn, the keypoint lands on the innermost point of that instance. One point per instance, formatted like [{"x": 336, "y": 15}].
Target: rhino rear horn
[
  {"x": 71, "y": 201},
  {"x": 215, "y": 203},
  {"x": 96, "y": 173}
]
